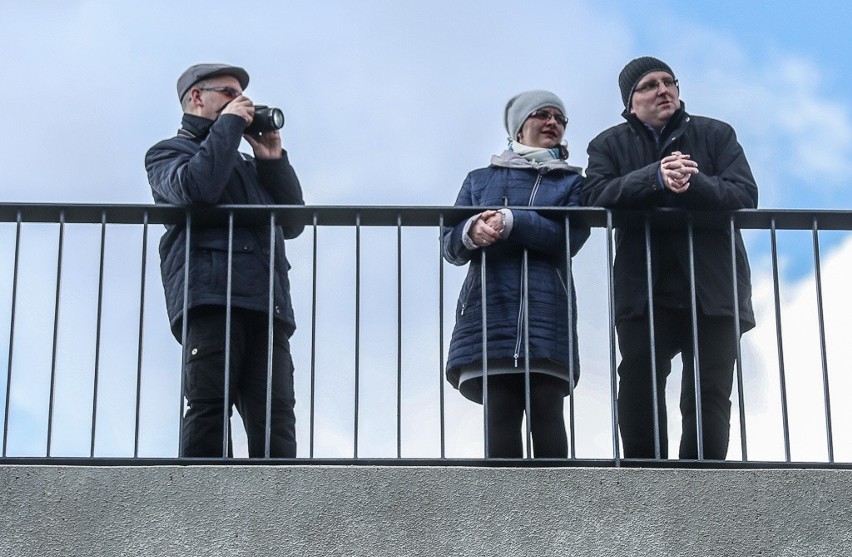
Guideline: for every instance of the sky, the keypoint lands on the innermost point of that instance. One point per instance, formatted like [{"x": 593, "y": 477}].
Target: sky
[{"x": 392, "y": 103}]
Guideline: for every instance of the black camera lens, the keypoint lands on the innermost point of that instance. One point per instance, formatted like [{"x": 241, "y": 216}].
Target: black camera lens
[{"x": 266, "y": 119}]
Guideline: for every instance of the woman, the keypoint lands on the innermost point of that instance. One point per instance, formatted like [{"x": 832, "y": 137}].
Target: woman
[{"x": 532, "y": 172}]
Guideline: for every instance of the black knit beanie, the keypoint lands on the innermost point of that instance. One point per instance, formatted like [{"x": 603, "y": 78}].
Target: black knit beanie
[{"x": 634, "y": 71}]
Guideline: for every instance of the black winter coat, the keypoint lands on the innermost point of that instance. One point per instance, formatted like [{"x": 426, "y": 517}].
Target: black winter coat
[
  {"x": 201, "y": 166},
  {"x": 544, "y": 240},
  {"x": 622, "y": 173}
]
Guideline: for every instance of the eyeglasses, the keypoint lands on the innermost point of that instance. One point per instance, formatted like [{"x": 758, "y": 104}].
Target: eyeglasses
[
  {"x": 229, "y": 91},
  {"x": 654, "y": 85},
  {"x": 545, "y": 115}
]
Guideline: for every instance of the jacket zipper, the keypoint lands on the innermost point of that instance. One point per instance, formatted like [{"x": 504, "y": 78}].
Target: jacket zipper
[
  {"x": 521, "y": 310},
  {"x": 522, "y": 306}
]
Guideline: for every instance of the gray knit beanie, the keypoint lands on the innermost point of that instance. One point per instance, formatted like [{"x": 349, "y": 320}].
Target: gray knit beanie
[
  {"x": 634, "y": 71},
  {"x": 519, "y": 108}
]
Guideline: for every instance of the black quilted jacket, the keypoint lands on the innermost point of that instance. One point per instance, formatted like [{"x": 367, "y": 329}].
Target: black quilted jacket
[
  {"x": 201, "y": 166},
  {"x": 622, "y": 173}
]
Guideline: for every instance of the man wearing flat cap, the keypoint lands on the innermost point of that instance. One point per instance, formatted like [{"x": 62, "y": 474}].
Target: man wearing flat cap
[
  {"x": 229, "y": 287},
  {"x": 699, "y": 294}
]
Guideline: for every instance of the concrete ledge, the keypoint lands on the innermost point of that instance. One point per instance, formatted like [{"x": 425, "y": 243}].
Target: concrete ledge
[{"x": 397, "y": 511}]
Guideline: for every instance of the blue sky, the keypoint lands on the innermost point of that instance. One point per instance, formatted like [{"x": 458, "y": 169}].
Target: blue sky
[{"x": 394, "y": 102}]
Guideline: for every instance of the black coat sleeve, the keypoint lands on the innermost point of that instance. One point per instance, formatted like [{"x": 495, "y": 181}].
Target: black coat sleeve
[{"x": 186, "y": 176}]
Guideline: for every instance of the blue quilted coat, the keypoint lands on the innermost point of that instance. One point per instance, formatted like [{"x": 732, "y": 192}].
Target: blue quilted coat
[{"x": 514, "y": 182}]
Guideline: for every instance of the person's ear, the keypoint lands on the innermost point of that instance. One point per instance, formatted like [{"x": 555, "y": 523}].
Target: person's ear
[{"x": 195, "y": 97}]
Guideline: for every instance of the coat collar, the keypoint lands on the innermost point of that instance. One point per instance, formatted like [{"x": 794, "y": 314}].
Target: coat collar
[
  {"x": 194, "y": 126},
  {"x": 677, "y": 119},
  {"x": 510, "y": 159}
]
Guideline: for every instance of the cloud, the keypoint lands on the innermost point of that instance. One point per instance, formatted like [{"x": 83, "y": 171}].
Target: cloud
[
  {"x": 802, "y": 359},
  {"x": 796, "y": 131}
]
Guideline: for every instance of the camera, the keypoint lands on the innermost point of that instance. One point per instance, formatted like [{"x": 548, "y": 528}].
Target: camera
[{"x": 266, "y": 119}]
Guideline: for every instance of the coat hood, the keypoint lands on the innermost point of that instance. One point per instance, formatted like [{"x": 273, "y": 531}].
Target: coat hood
[{"x": 510, "y": 159}]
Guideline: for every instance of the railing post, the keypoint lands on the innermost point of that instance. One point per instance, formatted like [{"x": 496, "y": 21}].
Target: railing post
[
  {"x": 57, "y": 304},
  {"x": 616, "y": 453},
  {"x": 99, "y": 312},
  {"x": 572, "y": 325},
  {"x": 12, "y": 313},
  {"x": 184, "y": 327},
  {"x": 652, "y": 340},
  {"x": 829, "y": 438},
  {"x": 139, "y": 345},
  {"x": 780, "y": 341}
]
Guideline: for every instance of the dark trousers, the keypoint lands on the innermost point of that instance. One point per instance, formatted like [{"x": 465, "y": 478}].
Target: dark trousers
[
  {"x": 506, "y": 407},
  {"x": 204, "y": 424},
  {"x": 717, "y": 352}
]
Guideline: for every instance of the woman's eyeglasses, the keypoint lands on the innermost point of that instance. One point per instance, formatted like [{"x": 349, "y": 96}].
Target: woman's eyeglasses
[{"x": 545, "y": 115}]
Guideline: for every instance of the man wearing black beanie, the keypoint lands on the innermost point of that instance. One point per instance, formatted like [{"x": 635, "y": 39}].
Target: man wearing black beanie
[{"x": 699, "y": 294}]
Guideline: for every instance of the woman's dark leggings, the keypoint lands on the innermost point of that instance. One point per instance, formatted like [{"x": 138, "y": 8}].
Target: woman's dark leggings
[{"x": 506, "y": 407}]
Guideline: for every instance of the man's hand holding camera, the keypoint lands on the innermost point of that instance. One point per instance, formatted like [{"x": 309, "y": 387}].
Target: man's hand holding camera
[
  {"x": 267, "y": 144},
  {"x": 241, "y": 106}
]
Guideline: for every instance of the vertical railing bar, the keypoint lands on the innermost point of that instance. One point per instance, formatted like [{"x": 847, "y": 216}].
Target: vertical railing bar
[
  {"x": 572, "y": 348},
  {"x": 738, "y": 334},
  {"x": 779, "y": 340},
  {"x": 399, "y": 336},
  {"x": 226, "y": 399},
  {"x": 313, "y": 335},
  {"x": 525, "y": 313},
  {"x": 140, "y": 341},
  {"x": 12, "y": 313},
  {"x": 357, "y": 326},
  {"x": 652, "y": 339},
  {"x": 270, "y": 340},
  {"x": 616, "y": 453},
  {"x": 60, "y": 250},
  {"x": 693, "y": 298},
  {"x": 484, "y": 303},
  {"x": 184, "y": 328},
  {"x": 823, "y": 353},
  {"x": 441, "y": 382},
  {"x": 98, "y": 323}
]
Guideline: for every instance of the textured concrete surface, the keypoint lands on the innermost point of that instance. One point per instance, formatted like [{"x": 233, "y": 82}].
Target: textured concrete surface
[{"x": 441, "y": 511}]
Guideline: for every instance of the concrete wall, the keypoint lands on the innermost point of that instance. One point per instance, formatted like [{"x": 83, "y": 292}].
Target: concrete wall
[{"x": 307, "y": 511}]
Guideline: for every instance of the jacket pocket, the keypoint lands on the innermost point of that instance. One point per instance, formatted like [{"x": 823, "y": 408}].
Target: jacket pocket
[
  {"x": 205, "y": 364},
  {"x": 470, "y": 292},
  {"x": 249, "y": 273}
]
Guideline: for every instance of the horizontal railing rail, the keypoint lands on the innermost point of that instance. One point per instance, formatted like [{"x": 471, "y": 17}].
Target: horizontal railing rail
[
  {"x": 94, "y": 375},
  {"x": 381, "y": 215}
]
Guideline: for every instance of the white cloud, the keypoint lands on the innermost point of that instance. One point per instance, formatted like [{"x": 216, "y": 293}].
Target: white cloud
[
  {"x": 803, "y": 370},
  {"x": 797, "y": 132}
]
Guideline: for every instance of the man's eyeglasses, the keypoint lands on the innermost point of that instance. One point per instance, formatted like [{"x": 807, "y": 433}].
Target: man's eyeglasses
[
  {"x": 545, "y": 115},
  {"x": 654, "y": 85},
  {"x": 229, "y": 91}
]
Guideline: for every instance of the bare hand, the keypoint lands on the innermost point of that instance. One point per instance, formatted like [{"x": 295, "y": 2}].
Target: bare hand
[
  {"x": 266, "y": 145},
  {"x": 495, "y": 220},
  {"x": 242, "y": 107},
  {"x": 486, "y": 229},
  {"x": 676, "y": 170}
]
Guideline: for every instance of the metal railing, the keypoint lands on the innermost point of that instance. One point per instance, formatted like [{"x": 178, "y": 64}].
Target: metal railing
[{"x": 93, "y": 372}]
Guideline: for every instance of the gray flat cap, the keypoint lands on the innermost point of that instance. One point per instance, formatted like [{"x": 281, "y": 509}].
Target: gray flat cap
[{"x": 196, "y": 73}]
